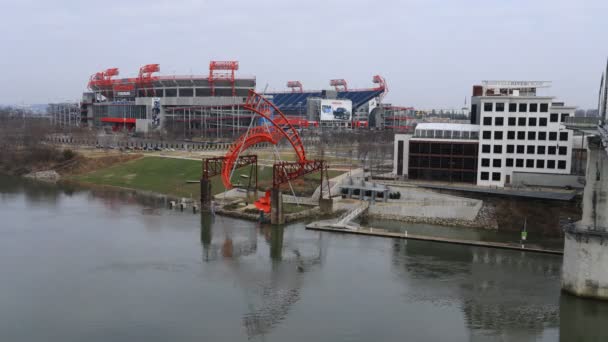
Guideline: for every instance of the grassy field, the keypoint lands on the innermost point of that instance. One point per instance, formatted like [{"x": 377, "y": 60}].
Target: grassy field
[{"x": 169, "y": 176}]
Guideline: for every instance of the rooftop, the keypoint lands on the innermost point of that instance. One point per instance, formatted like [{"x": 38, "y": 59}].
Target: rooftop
[
  {"x": 451, "y": 131},
  {"x": 448, "y": 127}
]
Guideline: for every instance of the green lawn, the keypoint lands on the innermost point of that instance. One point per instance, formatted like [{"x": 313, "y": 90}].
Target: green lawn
[{"x": 169, "y": 176}]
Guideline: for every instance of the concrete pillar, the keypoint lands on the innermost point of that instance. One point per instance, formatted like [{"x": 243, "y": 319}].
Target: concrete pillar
[
  {"x": 326, "y": 205},
  {"x": 586, "y": 243},
  {"x": 205, "y": 194},
  {"x": 276, "y": 207}
]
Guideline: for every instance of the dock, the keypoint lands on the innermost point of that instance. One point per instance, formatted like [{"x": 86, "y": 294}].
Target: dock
[{"x": 395, "y": 235}]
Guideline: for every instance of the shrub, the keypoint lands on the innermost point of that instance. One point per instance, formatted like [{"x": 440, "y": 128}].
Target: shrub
[{"x": 68, "y": 154}]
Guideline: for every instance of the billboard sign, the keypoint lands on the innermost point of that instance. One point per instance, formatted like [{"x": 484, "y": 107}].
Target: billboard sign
[
  {"x": 156, "y": 112},
  {"x": 336, "y": 110}
]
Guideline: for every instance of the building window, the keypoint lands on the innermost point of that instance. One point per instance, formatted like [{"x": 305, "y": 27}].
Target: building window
[
  {"x": 523, "y": 107},
  {"x": 521, "y": 121},
  {"x": 561, "y": 164},
  {"x": 531, "y": 135},
  {"x": 186, "y": 92},
  {"x": 551, "y": 150},
  {"x": 485, "y": 176},
  {"x": 530, "y": 149},
  {"x": 499, "y": 121},
  {"x": 487, "y": 106},
  {"x": 531, "y": 121},
  {"x": 542, "y": 122},
  {"x": 562, "y": 151},
  {"x": 534, "y": 107},
  {"x": 511, "y": 135},
  {"x": 510, "y": 148},
  {"x": 487, "y": 135},
  {"x": 564, "y": 116},
  {"x": 485, "y": 162},
  {"x": 563, "y": 136},
  {"x": 487, "y": 121},
  {"x": 552, "y": 136},
  {"x": 510, "y": 162},
  {"x": 496, "y": 176},
  {"x": 554, "y": 117},
  {"x": 520, "y": 148},
  {"x": 485, "y": 148},
  {"x": 550, "y": 164},
  {"x": 496, "y": 162},
  {"x": 500, "y": 107},
  {"x": 542, "y": 135},
  {"x": 544, "y": 107},
  {"x": 540, "y": 164},
  {"x": 512, "y": 121},
  {"x": 530, "y": 163},
  {"x": 540, "y": 150},
  {"x": 521, "y": 135},
  {"x": 497, "y": 148},
  {"x": 519, "y": 163},
  {"x": 498, "y": 135},
  {"x": 512, "y": 107}
]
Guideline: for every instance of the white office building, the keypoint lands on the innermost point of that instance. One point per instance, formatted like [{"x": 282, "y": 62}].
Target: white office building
[{"x": 519, "y": 131}]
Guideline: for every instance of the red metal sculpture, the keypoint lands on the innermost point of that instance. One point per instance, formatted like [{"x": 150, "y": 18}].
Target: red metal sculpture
[{"x": 278, "y": 127}]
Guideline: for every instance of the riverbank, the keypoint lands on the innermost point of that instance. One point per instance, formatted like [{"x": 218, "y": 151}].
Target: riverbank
[{"x": 171, "y": 175}]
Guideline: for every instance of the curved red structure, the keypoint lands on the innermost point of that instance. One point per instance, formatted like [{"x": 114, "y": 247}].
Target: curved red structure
[{"x": 281, "y": 128}]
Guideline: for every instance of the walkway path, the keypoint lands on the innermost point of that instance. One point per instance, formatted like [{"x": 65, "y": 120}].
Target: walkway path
[{"x": 405, "y": 235}]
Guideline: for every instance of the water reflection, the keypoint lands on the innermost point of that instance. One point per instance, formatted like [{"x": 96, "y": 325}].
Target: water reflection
[
  {"x": 502, "y": 294},
  {"x": 583, "y": 319},
  {"x": 270, "y": 289}
]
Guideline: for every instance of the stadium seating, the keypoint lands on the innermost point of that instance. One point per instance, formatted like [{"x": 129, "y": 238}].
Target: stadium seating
[{"x": 295, "y": 103}]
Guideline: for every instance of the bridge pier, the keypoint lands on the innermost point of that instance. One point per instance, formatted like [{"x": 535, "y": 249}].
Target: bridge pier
[
  {"x": 205, "y": 194},
  {"x": 326, "y": 205},
  {"x": 276, "y": 207},
  {"x": 586, "y": 243}
]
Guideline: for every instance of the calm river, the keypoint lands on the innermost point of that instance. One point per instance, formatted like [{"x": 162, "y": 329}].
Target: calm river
[{"x": 80, "y": 265}]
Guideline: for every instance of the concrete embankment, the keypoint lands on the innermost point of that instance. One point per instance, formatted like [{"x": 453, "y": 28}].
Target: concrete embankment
[{"x": 387, "y": 234}]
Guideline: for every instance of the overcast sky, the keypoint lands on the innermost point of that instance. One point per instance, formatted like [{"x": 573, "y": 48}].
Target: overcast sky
[{"x": 430, "y": 51}]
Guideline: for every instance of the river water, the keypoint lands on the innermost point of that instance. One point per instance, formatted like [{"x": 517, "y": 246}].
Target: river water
[{"x": 83, "y": 265}]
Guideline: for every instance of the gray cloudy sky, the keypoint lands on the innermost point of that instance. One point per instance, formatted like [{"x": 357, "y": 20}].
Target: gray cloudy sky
[{"x": 430, "y": 51}]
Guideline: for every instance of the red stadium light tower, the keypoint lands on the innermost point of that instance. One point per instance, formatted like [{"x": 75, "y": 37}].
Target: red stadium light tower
[
  {"x": 102, "y": 81},
  {"x": 381, "y": 82},
  {"x": 222, "y": 70},
  {"x": 296, "y": 86},
  {"x": 339, "y": 84},
  {"x": 144, "y": 79}
]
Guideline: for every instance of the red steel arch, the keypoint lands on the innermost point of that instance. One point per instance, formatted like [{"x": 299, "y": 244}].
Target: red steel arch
[{"x": 281, "y": 128}]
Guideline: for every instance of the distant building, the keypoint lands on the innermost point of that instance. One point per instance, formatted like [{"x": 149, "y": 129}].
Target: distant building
[
  {"x": 520, "y": 131},
  {"x": 438, "y": 151}
]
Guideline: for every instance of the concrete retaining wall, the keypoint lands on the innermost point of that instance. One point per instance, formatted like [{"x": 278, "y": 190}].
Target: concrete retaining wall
[
  {"x": 545, "y": 180},
  {"x": 429, "y": 208}
]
